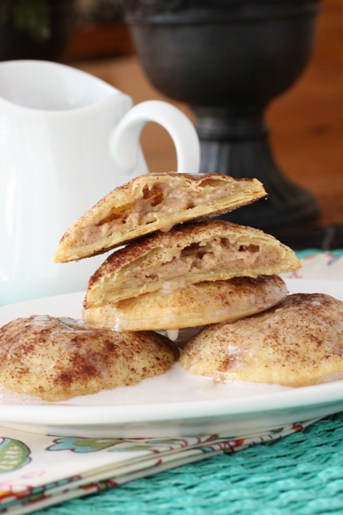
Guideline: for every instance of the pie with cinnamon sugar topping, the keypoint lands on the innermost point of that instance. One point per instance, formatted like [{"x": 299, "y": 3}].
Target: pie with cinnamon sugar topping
[
  {"x": 58, "y": 358},
  {"x": 297, "y": 343},
  {"x": 195, "y": 305}
]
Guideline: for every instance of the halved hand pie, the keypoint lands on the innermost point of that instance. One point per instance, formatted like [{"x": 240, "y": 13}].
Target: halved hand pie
[
  {"x": 151, "y": 202},
  {"x": 195, "y": 305},
  {"x": 188, "y": 254},
  {"x": 297, "y": 343}
]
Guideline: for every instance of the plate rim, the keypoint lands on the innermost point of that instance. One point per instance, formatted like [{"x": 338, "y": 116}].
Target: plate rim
[
  {"x": 78, "y": 414},
  {"x": 324, "y": 394}
]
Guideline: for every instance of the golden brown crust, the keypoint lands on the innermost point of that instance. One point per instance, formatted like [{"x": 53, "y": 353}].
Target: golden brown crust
[
  {"x": 195, "y": 305},
  {"x": 146, "y": 265},
  {"x": 59, "y": 358},
  {"x": 297, "y": 343},
  {"x": 152, "y": 202}
]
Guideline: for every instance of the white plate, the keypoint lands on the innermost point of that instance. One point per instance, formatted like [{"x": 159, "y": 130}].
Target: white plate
[{"x": 174, "y": 404}]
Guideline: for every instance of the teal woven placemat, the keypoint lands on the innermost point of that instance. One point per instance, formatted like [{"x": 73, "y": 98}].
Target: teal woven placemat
[
  {"x": 300, "y": 474},
  {"x": 307, "y": 252}
]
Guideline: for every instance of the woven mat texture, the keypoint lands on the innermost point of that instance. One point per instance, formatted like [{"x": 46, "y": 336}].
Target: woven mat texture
[{"x": 300, "y": 474}]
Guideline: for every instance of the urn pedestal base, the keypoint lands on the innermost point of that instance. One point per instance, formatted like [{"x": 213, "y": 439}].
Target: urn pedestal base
[{"x": 239, "y": 146}]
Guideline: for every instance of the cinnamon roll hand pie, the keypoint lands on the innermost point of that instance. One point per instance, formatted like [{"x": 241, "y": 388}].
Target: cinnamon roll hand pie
[
  {"x": 152, "y": 202},
  {"x": 191, "y": 306},
  {"x": 297, "y": 343},
  {"x": 188, "y": 254},
  {"x": 59, "y": 358}
]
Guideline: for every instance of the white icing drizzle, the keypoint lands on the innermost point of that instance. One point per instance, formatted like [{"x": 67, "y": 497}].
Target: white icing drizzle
[
  {"x": 117, "y": 324},
  {"x": 173, "y": 334},
  {"x": 166, "y": 229}
]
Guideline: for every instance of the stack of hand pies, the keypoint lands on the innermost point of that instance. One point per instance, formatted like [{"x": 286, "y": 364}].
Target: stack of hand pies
[
  {"x": 186, "y": 274},
  {"x": 179, "y": 269}
]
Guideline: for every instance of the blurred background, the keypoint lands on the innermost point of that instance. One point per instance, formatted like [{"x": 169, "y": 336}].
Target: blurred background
[{"x": 306, "y": 121}]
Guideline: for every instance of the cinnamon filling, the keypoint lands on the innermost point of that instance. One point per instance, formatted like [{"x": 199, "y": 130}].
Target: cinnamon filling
[
  {"x": 155, "y": 200},
  {"x": 198, "y": 259}
]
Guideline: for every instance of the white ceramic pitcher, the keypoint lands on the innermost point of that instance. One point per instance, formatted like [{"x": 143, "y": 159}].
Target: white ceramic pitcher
[{"x": 66, "y": 139}]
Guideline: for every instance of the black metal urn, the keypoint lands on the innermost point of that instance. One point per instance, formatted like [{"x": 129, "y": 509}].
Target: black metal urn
[{"x": 228, "y": 59}]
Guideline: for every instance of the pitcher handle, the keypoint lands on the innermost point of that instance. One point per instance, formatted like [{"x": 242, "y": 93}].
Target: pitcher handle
[{"x": 124, "y": 141}]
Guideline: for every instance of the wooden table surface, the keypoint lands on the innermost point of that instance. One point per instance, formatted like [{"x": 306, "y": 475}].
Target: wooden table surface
[{"x": 306, "y": 123}]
